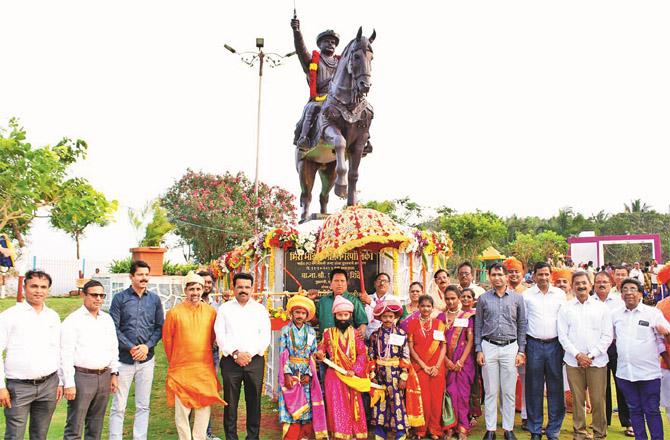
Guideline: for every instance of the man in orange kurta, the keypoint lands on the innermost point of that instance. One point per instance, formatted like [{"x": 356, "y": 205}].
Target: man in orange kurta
[{"x": 191, "y": 385}]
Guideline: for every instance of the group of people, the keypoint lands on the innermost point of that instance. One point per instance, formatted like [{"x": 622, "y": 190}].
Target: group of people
[
  {"x": 349, "y": 365},
  {"x": 646, "y": 273},
  {"x": 426, "y": 367},
  {"x": 93, "y": 354}
]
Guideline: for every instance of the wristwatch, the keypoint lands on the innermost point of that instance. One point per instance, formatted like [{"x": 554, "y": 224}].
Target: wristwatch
[{"x": 235, "y": 354}]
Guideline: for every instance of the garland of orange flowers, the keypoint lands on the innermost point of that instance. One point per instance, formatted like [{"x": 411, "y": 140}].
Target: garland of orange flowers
[
  {"x": 263, "y": 277},
  {"x": 396, "y": 291},
  {"x": 410, "y": 256},
  {"x": 423, "y": 273}
]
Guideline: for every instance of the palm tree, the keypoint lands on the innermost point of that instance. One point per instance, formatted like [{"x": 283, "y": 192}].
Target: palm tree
[{"x": 637, "y": 206}]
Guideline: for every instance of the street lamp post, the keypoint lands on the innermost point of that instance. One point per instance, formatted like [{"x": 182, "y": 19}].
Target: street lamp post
[{"x": 250, "y": 58}]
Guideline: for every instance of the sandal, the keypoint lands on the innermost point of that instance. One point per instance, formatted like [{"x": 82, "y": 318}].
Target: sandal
[{"x": 628, "y": 432}]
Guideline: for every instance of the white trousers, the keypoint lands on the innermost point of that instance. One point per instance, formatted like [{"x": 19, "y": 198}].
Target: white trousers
[
  {"x": 200, "y": 421},
  {"x": 665, "y": 392},
  {"x": 143, "y": 374},
  {"x": 499, "y": 374}
]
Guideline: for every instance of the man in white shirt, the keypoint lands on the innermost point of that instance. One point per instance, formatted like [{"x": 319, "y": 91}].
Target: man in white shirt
[
  {"x": 382, "y": 283},
  {"x": 466, "y": 277},
  {"x": 639, "y": 331},
  {"x": 585, "y": 332},
  {"x": 30, "y": 375},
  {"x": 544, "y": 354},
  {"x": 243, "y": 334},
  {"x": 90, "y": 364},
  {"x": 636, "y": 272},
  {"x": 605, "y": 293}
]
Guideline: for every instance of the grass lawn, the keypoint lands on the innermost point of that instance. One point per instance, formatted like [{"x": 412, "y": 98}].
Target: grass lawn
[{"x": 162, "y": 426}]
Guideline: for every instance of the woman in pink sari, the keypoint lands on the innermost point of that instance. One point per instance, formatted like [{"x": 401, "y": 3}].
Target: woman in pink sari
[{"x": 459, "y": 361}]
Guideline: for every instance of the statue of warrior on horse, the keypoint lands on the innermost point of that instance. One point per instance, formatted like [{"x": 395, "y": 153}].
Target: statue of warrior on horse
[{"x": 333, "y": 133}]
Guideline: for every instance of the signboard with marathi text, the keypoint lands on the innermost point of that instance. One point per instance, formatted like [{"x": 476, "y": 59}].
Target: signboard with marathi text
[{"x": 312, "y": 275}]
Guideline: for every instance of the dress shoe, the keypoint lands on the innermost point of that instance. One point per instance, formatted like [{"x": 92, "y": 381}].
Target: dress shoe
[
  {"x": 524, "y": 424},
  {"x": 490, "y": 435},
  {"x": 535, "y": 436},
  {"x": 509, "y": 435}
]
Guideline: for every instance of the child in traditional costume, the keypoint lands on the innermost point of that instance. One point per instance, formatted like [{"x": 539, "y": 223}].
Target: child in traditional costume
[
  {"x": 459, "y": 362},
  {"x": 346, "y": 375},
  {"x": 301, "y": 409},
  {"x": 427, "y": 349},
  {"x": 391, "y": 368}
]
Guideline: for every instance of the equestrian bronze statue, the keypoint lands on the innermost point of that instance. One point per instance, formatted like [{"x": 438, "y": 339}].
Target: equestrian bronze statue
[{"x": 333, "y": 133}]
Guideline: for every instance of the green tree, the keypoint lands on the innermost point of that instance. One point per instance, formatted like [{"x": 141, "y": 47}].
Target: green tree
[
  {"x": 532, "y": 248},
  {"x": 158, "y": 228},
  {"x": 403, "y": 210},
  {"x": 472, "y": 232},
  {"x": 31, "y": 178},
  {"x": 79, "y": 206},
  {"x": 637, "y": 205}
]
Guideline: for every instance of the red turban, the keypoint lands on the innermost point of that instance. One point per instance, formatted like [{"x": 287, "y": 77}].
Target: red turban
[
  {"x": 390, "y": 305},
  {"x": 664, "y": 274}
]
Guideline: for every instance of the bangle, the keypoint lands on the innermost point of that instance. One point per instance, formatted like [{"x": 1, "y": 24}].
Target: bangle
[{"x": 404, "y": 376}]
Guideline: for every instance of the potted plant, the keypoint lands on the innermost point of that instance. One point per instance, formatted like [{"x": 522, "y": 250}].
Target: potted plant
[{"x": 151, "y": 248}]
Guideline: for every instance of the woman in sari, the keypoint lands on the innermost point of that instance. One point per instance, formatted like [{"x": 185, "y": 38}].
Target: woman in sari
[
  {"x": 427, "y": 349},
  {"x": 459, "y": 361},
  {"x": 467, "y": 303},
  {"x": 411, "y": 310}
]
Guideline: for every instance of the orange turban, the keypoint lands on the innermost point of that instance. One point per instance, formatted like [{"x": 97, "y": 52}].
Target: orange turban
[
  {"x": 513, "y": 263},
  {"x": 561, "y": 273},
  {"x": 664, "y": 274}
]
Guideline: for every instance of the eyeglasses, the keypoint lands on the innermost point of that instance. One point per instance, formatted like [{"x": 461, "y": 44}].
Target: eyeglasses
[
  {"x": 383, "y": 281},
  {"x": 97, "y": 295}
]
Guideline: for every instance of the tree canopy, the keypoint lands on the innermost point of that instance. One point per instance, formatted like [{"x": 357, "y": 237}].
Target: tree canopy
[
  {"x": 33, "y": 178},
  {"x": 213, "y": 213}
]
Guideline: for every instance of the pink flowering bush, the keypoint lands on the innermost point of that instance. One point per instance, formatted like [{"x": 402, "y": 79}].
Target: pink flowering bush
[{"x": 212, "y": 213}]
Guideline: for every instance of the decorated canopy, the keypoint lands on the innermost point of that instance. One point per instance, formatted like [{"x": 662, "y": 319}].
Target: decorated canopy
[{"x": 357, "y": 228}]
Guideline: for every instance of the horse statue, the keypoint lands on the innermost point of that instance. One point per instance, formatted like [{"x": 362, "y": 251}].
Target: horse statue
[{"x": 341, "y": 130}]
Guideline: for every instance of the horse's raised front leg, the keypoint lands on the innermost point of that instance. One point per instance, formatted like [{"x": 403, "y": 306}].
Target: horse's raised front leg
[
  {"x": 333, "y": 136},
  {"x": 306, "y": 173},
  {"x": 355, "y": 154}
]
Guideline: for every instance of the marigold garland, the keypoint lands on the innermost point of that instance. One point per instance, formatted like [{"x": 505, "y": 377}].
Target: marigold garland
[
  {"x": 423, "y": 274},
  {"x": 436, "y": 264},
  {"x": 263, "y": 277}
]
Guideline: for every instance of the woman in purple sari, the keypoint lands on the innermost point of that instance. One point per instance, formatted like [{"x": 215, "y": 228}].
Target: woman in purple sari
[{"x": 460, "y": 365}]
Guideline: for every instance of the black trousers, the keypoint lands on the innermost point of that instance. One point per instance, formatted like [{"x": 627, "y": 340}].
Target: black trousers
[
  {"x": 233, "y": 378},
  {"x": 624, "y": 415}
]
